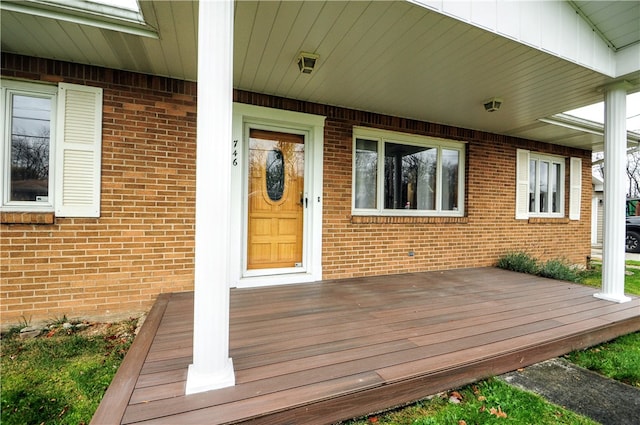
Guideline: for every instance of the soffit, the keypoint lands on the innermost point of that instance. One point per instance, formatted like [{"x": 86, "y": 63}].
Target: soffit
[
  {"x": 616, "y": 21},
  {"x": 393, "y": 58}
]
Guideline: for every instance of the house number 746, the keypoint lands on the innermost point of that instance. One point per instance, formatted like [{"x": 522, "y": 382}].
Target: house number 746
[{"x": 235, "y": 153}]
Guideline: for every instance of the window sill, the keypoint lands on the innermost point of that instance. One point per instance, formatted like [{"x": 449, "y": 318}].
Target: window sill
[
  {"x": 27, "y": 217},
  {"x": 384, "y": 219},
  {"x": 548, "y": 220}
]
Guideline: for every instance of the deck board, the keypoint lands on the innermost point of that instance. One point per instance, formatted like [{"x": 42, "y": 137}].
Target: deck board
[{"x": 323, "y": 352}]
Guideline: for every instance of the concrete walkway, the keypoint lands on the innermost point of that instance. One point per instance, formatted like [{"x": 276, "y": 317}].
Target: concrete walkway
[
  {"x": 582, "y": 391},
  {"x": 596, "y": 254}
]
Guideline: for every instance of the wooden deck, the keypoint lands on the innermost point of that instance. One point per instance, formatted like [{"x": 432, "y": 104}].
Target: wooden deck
[{"x": 319, "y": 353}]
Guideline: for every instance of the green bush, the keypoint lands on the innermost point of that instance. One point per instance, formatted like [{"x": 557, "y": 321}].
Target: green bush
[
  {"x": 519, "y": 262},
  {"x": 552, "y": 269},
  {"x": 560, "y": 270}
]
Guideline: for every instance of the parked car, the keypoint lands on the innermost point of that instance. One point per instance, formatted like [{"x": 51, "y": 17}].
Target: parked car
[
  {"x": 633, "y": 234},
  {"x": 633, "y": 226}
]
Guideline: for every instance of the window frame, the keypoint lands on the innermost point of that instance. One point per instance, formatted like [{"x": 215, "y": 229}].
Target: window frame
[
  {"x": 10, "y": 88},
  {"x": 75, "y": 153},
  {"x": 551, "y": 159},
  {"x": 381, "y": 137}
]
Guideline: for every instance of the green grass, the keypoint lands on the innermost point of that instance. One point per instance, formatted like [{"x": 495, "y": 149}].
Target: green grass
[
  {"x": 618, "y": 359},
  {"x": 487, "y": 402},
  {"x": 61, "y": 377},
  {"x": 593, "y": 277}
]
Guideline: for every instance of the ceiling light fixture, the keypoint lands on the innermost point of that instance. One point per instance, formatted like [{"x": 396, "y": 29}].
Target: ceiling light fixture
[
  {"x": 493, "y": 104},
  {"x": 307, "y": 61}
]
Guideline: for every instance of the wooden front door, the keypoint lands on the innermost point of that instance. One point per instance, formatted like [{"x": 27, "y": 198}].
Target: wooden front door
[{"x": 276, "y": 200}]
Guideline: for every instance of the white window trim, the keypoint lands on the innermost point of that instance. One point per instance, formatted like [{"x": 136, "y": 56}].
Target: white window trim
[
  {"x": 96, "y": 14},
  {"x": 382, "y": 136},
  {"x": 250, "y": 116},
  {"x": 551, "y": 159},
  {"x": 522, "y": 185},
  {"x": 9, "y": 88},
  {"x": 74, "y": 151}
]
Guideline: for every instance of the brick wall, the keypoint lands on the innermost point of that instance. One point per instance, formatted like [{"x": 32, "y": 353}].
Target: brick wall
[
  {"x": 361, "y": 246},
  {"x": 142, "y": 244}
]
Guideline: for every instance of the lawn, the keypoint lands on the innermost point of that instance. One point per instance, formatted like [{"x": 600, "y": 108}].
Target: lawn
[
  {"x": 487, "y": 402},
  {"x": 618, "y": 359},
  {"x": 631, "y": 281},
  {"x": 60, "y": 376}
]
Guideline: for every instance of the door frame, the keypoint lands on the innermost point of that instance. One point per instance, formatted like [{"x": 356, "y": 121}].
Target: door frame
[{"x": 312, "y": 126}]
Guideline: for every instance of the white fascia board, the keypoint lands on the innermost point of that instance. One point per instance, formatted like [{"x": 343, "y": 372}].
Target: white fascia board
[
  {"x": 551, "y": 26},
  {"x": 119, "y": 20},
  {"x": 628, "y": 61},
  {"x": 580, "y": 124}
]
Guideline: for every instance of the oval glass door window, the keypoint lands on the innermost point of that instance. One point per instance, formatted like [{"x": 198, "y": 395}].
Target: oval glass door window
[{"x": 275, "y": 174}]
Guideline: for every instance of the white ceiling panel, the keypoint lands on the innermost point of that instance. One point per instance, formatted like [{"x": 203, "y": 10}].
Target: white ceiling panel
[
  {"x": 390, "y": 57},
  {"x": 617, "y": 21}
]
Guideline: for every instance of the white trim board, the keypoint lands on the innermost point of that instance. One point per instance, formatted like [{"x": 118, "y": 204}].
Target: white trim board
[{"x": 245, "y": 116}]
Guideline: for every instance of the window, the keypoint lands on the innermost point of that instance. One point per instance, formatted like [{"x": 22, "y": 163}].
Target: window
[
  {"x": 29, "y": 128},
  {"x": 403, "y": 174},
  {"x": 50, "y": 148},
  {"x": 546, "y": 181},
  {"x": 540, "y": 190}
]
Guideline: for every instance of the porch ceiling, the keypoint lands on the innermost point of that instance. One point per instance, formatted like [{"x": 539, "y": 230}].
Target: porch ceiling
[{"x": 394, "y": 58}]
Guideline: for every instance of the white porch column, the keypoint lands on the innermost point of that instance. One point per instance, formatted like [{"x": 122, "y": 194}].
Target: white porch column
[
  {"x": 212, "y": 368},
  {"x": 615, "y": 160},
  {"x": 594, "y": 221}
]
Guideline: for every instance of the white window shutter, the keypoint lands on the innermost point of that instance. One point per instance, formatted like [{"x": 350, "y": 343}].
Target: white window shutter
[
  {"x": 78, "y": 151},
  {"x": 575, "y": 188},
  {"x": 522, "y": 184}
]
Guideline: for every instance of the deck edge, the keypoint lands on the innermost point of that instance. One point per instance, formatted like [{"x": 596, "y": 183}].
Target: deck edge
[
  {"x": 404, "y": 392},
  {"x": 113, "y": 404}
]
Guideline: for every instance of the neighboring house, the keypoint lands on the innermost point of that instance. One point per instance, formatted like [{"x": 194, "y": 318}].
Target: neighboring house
[
  {"x": 597, "y": 211},
  {"x": 384, "y": 159}
]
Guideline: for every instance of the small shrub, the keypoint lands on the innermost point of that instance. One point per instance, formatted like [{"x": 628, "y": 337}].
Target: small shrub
[
  {"x": 519, "y": 262},
  {"x": 560, "y": 270}
]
